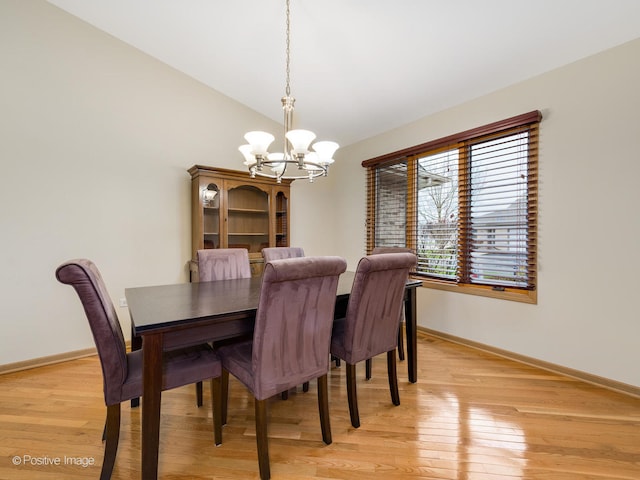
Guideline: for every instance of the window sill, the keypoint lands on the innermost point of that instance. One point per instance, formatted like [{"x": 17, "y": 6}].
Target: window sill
[{"x": 511, "y": 294}]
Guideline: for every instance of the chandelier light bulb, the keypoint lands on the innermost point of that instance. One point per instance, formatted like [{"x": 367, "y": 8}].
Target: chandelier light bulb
[
  {"x": 325, "y": 151},
  {"x": 249, "y": 159},
  {"x": 277, "y": 166},
  {"x": 259, "y": 142},
  {"x": 300, "y": 140},
  {"x": 312, "y": 162}
]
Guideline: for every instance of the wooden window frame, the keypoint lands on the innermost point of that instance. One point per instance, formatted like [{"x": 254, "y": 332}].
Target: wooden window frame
[{"x": 529, "y": 121}]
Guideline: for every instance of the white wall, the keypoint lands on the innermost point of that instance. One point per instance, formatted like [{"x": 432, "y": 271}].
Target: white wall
[
  {"x": 587, "y": 312},
  {"x": 96, "y": 138},
  {"x": 95, "y": 142}
]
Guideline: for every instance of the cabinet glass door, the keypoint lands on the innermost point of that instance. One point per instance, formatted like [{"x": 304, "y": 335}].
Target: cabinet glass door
[
  {"x": 282, "y": 220},
  {"x": 248, "y": 218},
  {"x": 211, "y": 216}
]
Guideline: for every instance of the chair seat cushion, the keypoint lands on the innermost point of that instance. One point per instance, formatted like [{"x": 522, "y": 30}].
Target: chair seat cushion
[
  {"x": 236, "y": 358},
  {"x": 181, "y": 367}
]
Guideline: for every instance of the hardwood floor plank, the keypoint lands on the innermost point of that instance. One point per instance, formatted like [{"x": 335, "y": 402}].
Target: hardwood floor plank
[{"x": 472, "y": 415}]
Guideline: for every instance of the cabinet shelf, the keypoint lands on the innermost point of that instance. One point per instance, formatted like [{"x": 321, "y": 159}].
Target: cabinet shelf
[
  {"x": 248, "y": 210},
  {"x": 248, "y": 234}
]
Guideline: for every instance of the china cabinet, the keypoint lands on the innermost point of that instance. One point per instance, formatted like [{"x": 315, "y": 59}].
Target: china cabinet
[{"x": 229, "y": 209}]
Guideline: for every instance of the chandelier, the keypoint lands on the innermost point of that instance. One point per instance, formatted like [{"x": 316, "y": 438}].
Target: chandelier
[{"x": 295, "y": 161}]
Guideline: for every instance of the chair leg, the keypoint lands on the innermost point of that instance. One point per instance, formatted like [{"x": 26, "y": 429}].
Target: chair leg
[
  {"x": 323, "y": 407},
  {"x": 285, "y": 395},
  {"x": 305, "y": 387},
  {"x": 112, "y": 428},
  {"x": 216, "y": 408},
  {"x": 393, "y": 377},
  {"x": 336, "y": 359},
  {"x": 352, "y": 395},
  {"x": 199, "y": 394},
  {"x": 400, "y": 343},
  {"x": 224, "y": 396},
  {"x": 367, "y": 367},
  {"x": 261, "y": 438}
]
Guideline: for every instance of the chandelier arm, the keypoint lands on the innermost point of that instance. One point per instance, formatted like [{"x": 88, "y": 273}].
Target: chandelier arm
[
  {"x": 307, "y": 176},
  {"x": 317, "y": 170}
]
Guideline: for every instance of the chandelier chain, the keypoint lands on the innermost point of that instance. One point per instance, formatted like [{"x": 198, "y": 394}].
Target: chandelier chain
[{"x": 288, "y": 52}]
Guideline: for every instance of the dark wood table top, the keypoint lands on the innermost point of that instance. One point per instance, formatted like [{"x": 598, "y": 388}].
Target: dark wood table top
[{"x": 161, "y": 307}]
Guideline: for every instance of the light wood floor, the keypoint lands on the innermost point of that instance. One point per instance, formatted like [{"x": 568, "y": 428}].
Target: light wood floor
[{"x": 470, "y": 416}]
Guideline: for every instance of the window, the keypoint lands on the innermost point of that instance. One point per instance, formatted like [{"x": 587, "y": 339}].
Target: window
[{"x": 467, "y": 205}]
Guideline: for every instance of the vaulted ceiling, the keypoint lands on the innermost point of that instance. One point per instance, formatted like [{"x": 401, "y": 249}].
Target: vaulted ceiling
[{"x": 362, "y": 67}]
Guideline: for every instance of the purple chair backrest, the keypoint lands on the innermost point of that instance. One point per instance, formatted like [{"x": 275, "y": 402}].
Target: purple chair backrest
[
  {"x": 223, "y": 264},
  {"x": 85, "y": 278},
  {"x": 379, "y": 250},
  {"x": 278, "y": 253},
  {"x": 373, "y": 313},
  {"x": 293, "y": 323}
]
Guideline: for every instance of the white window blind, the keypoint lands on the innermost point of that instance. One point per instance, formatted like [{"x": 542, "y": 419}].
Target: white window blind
[{"x": 496, "y": 231}]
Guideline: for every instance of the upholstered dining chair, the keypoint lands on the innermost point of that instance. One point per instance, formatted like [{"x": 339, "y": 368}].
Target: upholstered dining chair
[
  {"x": 377, "y": 251},
  {"x": 278, "y": 253},
  {"x": 223, "y": 264},
  {"x": 291, "y": 340},
  {"x": 122, "y": 371},
  {"x": 370, "y": 326}
]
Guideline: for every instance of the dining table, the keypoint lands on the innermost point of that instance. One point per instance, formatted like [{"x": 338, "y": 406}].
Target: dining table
[{"x": 170, "y": 316}]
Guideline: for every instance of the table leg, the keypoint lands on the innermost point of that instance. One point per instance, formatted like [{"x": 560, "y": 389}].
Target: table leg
[
  {"x": 151, "y": 398},
  {"x": 410, "y": 315},
  {"x": 136, "y": 344}
]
